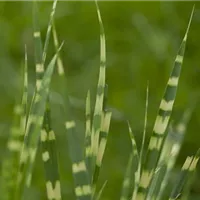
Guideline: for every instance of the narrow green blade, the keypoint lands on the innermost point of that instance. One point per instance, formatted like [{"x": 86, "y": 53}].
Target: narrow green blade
[
  {"x": 101, "y": 191},
  {"x": 126, "y": 186},
  {"x": 47, "y": 38}
]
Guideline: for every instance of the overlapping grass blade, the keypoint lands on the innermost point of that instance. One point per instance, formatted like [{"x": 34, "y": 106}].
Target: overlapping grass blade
[
  {"x": 97, "y": 118},
  {"x": 162, "y": 119},
  {"x": 83, "y": 190},
  {"x": 191, "y": 175},
  {"x": 102, "y": 145},
  {"x": 33, "y": 129},
  {"x": 47, "y": 38},
  {"x": 140, "y": 154},
  {"x": 60, "y": 67},
  {"x": 135, "y": 159},
  {"x": 48, "y": 137},
  {"x": 105, "y": 124},
  {"x": 185, "y": 175},
  {"x": 170, "y": 151},
  {"x": 177, "y": 140}
]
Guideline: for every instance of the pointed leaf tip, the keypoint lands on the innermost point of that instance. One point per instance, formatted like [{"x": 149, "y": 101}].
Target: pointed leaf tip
[{"x": 191, "y": 16}]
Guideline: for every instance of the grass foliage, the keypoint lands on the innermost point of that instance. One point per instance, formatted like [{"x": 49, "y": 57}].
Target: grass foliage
[{"x": 148, "y": 171}]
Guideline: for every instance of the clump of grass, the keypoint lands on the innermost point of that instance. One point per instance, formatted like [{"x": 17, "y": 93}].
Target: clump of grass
[{"x": 32, "y": 125}]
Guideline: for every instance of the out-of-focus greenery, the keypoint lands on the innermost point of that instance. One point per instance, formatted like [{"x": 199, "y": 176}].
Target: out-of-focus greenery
[{"x": 142, "y": 41}]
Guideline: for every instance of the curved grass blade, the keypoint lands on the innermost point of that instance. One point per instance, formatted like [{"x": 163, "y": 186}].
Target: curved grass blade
[
  {"x": 97, "y": 118},
  {"x": 162, "y": 119}
]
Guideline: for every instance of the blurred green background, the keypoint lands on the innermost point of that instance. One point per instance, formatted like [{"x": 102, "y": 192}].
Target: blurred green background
[{"x": 142, "y": 41}]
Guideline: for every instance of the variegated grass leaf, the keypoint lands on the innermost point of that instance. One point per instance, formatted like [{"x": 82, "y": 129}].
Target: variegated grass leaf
[
  {"x": 134, "y": 156},
  {"x": 60, "y": 67},
  {"x": 97, "y": 118},
  {"x": 170, "y": 151},
  {"x": 140, "y": 154},
  {"x": 184, "y": 178},
  {"x": 162, "y": 119},
  {"x": 106, "y": 115},
  {"x": 88, "y": 152},
  {"x": 179, "y": 133},
  {"x": 191, "y": 175},
  {"x": 48, "y": 137},
  {"x": 32, "y": 134},
  {"x": 83, "y": 190},
  {"x": 47, "y": 38}
]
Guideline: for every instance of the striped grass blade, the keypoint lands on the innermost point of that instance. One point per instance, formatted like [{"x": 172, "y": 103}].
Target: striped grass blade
[
  {"x": 170, "y": 151},
  {"x": 88, "y": 153},
  {"x": 32, "y": 134},
  {"x": 83, "y": 190},
  {"x": 48, "y": 137},
  {"x": 187, "y": 170},
  {"x": 162, "y": 119},
  {"x": 97, "y": 118}
]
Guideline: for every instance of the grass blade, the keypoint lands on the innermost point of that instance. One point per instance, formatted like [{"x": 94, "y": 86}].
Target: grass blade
[
  {"x": 97, "y": 118},
  {"x": 101, "y": 191},
  {"x": 47, "y": 38},
  {"x": 82, "y": 182},
  {"x": 161, "y": 123},
  {"x": 34, "y": 125},
  {"x": 127, "y": 179},
  {"x": 88, "y": 153},
  {"x": 102, "y": 145},
  {"x": 177, "y": 140},
  {"x": 135, "y": 166},
  {"x": 186, "y": 171}
]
